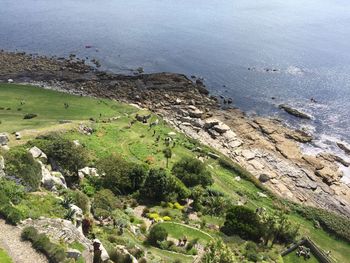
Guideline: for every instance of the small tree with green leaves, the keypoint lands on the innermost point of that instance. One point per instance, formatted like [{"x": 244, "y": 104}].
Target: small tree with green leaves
[{"x": 167, "y": 154}]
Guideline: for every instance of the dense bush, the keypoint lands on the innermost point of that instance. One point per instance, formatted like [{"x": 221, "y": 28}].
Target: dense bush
[
  {"x": 11, "y": 214},
  {"x": 156, "y": 235},
  {"x": 11, "y": 191},
  {"x": 244, "y": 222},
  {"x": 21, "y": 165},
  {"x": 54, "y": 252},
  {"x": 192, "y": 172},
  {"x": 121, "y": 176},
  {"x": 30, "y": 116},
  {"x": 63, "y": 154},
  {"x": 329, "y": 221},
  {"x": 217, "y": 252},
  {"x": 160, "y": 185},
  {"x": 104, "y": 203}
]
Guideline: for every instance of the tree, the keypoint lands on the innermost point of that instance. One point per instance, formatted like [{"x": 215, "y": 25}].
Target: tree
[
  {"x": 121, "y": 176},
  {"x": 167, "y": 154},
  {"x": 160, "y": 185},
  {"x": 218, "y": 252},
  {"x": 242, "y": 221},
  {"x": 192, "y": 172},
  {"x": 116, "y": 176},
  {"x": 157, "y": 234}
]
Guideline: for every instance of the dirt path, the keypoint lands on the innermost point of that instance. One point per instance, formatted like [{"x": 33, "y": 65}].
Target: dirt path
[{"x": 19, "y": 251}]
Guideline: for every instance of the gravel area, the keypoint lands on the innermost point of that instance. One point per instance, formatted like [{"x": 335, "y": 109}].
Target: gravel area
[{"x": 20, "y": 251}]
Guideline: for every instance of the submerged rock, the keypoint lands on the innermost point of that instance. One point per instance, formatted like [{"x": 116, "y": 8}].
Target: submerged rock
[
  {"x": 294, "y": 112},
  {"x": 344, "y": 148}
]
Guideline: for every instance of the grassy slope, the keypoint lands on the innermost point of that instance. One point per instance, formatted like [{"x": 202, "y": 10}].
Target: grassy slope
[
  {"x": 4, "y": 257},
  {"x": 136, "y": 144},
  {"x": 49, "y": 106}
]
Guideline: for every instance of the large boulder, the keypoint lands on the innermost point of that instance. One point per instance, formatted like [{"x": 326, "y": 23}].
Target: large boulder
[
  {"x": 104, "y": 254},
  {"x": 77, "y": 212},
  {"x": 329, "y": 175},
  {"x": 4, "y": 139},
  {"x": 38, "y": 154}
]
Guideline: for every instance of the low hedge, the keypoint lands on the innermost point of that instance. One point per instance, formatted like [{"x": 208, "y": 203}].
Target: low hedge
[{"x": 54, "y": 252}]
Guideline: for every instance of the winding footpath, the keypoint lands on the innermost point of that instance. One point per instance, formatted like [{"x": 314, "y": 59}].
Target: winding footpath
[{"x": 19, "y": 251}]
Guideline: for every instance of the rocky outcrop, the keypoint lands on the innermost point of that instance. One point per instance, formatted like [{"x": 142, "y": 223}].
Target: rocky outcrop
[
  {"x": 294, "y": 112},
  {"x": 271, "y": 152},
  {"x": 60, "y": 230},
  {"x": 51, "y": 180}
]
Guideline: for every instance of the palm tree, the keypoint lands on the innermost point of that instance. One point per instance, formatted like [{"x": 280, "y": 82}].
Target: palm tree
[{"x": 167, "y": 154}]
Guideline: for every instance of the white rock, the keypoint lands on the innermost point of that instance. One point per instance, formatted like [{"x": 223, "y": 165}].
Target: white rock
[
  {"x": 37, "y": 153},
  {"x": 262, "y": 195},
  {"x": 87, "y": 171},
  {"x": 10, "y": 80},
  {"x": 18, "y": 136},
  {"x": 4, "y": 139}
]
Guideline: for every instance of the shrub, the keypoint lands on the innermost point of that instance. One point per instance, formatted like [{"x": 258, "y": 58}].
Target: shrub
[
  {"x": 11, "y": 214},
  {"x": 192, "y": 172},
  {"x": 157, "y": 234},
  {"x": 244, "y": 222},
  {"x": 30, "y": 116},
  {"x": 54, "y": 252},
  {"x": 159, "y": 185},
  {"x": 121, "y": 176},
  {"x": 12, "y": 191},
  {"x": 21, "y": 165},
  {"x": 166, "y": 218},
  {"x": 217, "y": 252},
  {"x": 104, "y": 203}
]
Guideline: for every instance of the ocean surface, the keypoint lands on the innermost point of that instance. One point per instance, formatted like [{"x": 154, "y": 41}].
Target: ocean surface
[{"x": 250, "y": 50}]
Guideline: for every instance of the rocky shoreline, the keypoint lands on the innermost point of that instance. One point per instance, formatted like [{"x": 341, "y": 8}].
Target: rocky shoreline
[{"x": 265, "y": 147}]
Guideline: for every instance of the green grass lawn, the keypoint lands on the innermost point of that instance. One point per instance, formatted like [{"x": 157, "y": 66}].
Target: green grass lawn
[
  {"x": 49, "y": 106},
  {"x": 293, "y": 258},
  {"x": 177, "y": 231},
  {"x": 4, "y": 257}
]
